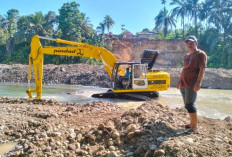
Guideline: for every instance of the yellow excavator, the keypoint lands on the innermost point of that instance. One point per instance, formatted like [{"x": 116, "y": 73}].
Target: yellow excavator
[{"x": 141, "y": 82}]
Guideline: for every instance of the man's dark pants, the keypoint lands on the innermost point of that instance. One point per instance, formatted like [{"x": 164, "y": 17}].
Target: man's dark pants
[{"x": 189, "y": 97}]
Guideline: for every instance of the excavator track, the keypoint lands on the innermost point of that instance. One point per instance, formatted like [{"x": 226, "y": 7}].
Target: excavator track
[{"x": 144, "y": 96}]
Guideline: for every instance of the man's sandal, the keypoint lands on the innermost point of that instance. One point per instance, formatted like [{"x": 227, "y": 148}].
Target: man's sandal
[
  {"x": 191, "y": 131},
  {"x": 185, "y": 126}
]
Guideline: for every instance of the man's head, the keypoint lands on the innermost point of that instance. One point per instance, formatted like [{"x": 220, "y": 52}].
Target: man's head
[
  {"x": 191, "y": 38},
  {"x": 127, "y": 69},
  {"x": 191, "y": 43}
]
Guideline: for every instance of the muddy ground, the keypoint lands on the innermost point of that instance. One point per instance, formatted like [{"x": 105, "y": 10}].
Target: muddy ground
[{"x": 48, "y": 128}]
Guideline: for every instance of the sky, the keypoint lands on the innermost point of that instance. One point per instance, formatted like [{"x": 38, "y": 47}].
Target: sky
[{"x": 134, "y": 14}]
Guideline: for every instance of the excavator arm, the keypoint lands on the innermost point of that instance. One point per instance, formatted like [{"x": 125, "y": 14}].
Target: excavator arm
[{"x": 36, "y": 58}]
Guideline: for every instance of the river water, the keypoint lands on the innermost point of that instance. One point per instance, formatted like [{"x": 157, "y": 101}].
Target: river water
[{"x": 211, "y": 103}]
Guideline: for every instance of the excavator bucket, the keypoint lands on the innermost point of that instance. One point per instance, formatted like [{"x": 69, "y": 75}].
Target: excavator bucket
[{"x": 149, "y": 57}]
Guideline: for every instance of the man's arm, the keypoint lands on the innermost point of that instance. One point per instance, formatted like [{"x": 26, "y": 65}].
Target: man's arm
[{"x": 197, "y": 85}]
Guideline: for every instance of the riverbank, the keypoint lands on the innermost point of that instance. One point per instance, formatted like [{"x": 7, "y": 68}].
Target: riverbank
[
  {"x": 47, "y": 127},
  {"x": 95, "y": 75}
]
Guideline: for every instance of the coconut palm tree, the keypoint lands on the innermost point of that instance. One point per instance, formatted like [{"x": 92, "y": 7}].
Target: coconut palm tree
[
  {"x": 123, "y": 28},
  {"x": 86, "y": 27},
  {"x": 194, "y": 8},
  {"x": 101, "y": 29},
  {"x": 164, "y": 20},
  {"x": 109, "y": 22},
  {"x": 50, "y": 21},
  {"x": 204, "y": 13},
  {"x": 181, "y": 10},
  {"x": 37, "y": 22},
  {"x": 163, "y": 2}
]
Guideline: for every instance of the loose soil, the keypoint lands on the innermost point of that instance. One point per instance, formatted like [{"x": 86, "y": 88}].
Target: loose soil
[{"x": 48, "y": 128}]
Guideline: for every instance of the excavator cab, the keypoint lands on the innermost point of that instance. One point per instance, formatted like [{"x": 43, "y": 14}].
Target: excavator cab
[{"x": 136, "y": 80}]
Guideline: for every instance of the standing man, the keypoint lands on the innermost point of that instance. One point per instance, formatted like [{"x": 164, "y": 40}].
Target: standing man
[{"x": 190, "y": 80}]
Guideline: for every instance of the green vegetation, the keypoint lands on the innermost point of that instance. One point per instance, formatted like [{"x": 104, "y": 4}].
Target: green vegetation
[
  {"x": 16, "y": 33},
  {"x": 210, "y": 21}
]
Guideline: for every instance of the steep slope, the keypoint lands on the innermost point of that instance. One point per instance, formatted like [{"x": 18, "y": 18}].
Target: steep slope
[{"x": 171, "y": 52}]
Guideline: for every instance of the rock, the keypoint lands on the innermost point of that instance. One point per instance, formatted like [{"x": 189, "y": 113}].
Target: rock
[
  {"x": 230, "y": 142},
  {"x": 228, "y": 118},
  {"x": 130, "y": 128},
  {"x": 110, "y": 143},
  {"x": 79, "y": 137},
  {"x": 151, "y": 139},
  {"x": 56, "y": 134},
  {"x": 218, "y": 139},
  {"x": 115, "y": 134},
  {"x": 72, "y": 135},
  {"x": 17, "y": 153},
  {"x": 71, "y": 146},
  {"x": 18, "y": 135},
  {"x": 78, "y": 145},
  {"x": 112, "y": 148},
  {"x": 48, "y": 149},
  {"x": 230, "y": 153},
  {"x": 152, "y": 147},
  {"x": 190, "y": 140},
  {"x": 62, "y": 69},
  {"x": 18, "y": 147},
  {"x": 130, "y": 135},
  {"x": 138, "y": 132},
  {"x": 101, "y": 126},
  {"x": 52, "y": 145},
  {"x": 43, "y": 135},
  {"x": 159, "y": 152},
  {"x": 133, "y": 140},
  {"x": 148, "y": 154},
  {"x": 101, "y": 148},
  {"x": 129, "y": 154},
  {"x": 160, "y": 139},
  {"x": 139, "y": 150},
  {"x": 91, "y": 137},
  {"x": 112, "y": 154},
  {"x": 110, "y": 125},
  {"x": 117, "y": 141},
  {"x": 192, "y": 155},
  {"x": 58, "y": 143}
]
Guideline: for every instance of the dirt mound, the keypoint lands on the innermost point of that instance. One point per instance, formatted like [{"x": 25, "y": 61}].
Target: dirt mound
[
  {"x": 96, "y": 75},
  {"x": 48, "y": 128},
  {"x": 75, "y": 74}
]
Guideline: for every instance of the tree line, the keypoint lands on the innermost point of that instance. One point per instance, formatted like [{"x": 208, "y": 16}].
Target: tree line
[
  {"x": 209, "y": 20},
  {"x": 71, "y": 24}
]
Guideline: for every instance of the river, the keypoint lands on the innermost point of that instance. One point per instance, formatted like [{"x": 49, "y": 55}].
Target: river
[{"x": 211, "y": 103}]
